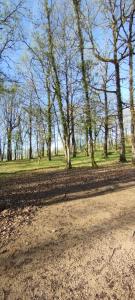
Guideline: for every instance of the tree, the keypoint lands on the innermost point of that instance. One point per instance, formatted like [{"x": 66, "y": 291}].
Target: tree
[
  {"x": 65, "y": 118},
  {"x": 11, "y": 114},
  {"x": 77, "y": 9},
  {"x": 113, "y": 11},
  {"x": 129, "y": 38},
  {"x": 9, "y": 27}
]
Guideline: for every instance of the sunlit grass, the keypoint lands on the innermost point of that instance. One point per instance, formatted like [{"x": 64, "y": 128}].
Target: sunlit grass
[
  {"x": 29, "y": 165},
  {"x": 58, "y": 162}
]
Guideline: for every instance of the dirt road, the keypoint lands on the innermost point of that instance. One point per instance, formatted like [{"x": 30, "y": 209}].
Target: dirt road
[{"x": 69, "y": 250}]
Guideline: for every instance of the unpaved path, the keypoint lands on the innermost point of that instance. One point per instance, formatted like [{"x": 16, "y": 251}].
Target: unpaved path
[{"x": 71, "y": 250}]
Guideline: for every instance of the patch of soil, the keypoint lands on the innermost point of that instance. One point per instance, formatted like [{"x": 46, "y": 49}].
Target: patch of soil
[{"x": 53, "y": 247}]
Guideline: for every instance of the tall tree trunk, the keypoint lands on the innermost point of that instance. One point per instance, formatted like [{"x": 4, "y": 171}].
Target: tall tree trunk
[
  {"x": 76, "y": 4},
  {"x": 92, "y": 148},
  {"x": 119, "y": 97},
  {"x": 74, "y": 148},
  {"x": 73, "y": 142},
  {"x": 37, "y": 142},
  {"x": 9, "y": 143},
  {"x": 30, "y": 136},
  {"x": 115, "y": 27},
  {"x": 67, "y": 153},
  {"x": 68, "y": 142},
  {"x": 21, "y": 144},
  {"x": 58, "y": 87},
  {"x": 120, "y": 114},
  {"x": 49, "y": 117},
  {"x": 43, "y": 149},
  {"x": 55, "y": 141},
  {"x": 73, "y": 132},
  {"x": 48, "y": 143},
  {"x": 95, "y": 137},
  {"x": 3, "y": 149},
  {"x": 87, "y": 142},
  {"x": 116, "y": 136},
  {"x": 131, "y": 88},
  {"x": 0, "y": 150},
  {"x": 49, "y": 154},
  {"x": 15, "y": 151},
  {"x": 21, "y": 152},
  {"x": 106, "y": 126}
]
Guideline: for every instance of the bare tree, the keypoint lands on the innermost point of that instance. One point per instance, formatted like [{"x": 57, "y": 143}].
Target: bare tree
[
  {"x": 114, "y": 14},
  {"x": 77, "y": 9}
]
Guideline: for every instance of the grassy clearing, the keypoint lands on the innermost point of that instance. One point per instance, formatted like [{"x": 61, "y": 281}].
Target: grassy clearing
[{"x": 58, "y": 162}]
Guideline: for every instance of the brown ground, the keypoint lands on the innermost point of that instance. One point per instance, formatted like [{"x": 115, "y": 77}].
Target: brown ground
[{"x": 53, "y": 247}]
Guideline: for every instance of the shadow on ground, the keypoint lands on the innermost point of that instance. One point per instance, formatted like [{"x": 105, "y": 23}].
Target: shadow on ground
[
  {"x": 88, "y": 236},
  {"x": 48, "y": 188}
]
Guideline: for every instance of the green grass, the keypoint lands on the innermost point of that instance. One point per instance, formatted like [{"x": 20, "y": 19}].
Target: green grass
[
  {"x": 58, "y": 162},
  {"x": 29, "y": 165}
]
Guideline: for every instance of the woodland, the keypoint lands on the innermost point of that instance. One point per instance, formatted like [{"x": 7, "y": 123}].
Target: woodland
[{"x": 67, "y": 149}]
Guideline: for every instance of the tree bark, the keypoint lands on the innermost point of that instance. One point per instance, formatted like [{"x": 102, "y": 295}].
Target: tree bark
[
  {"x": 66, "y": 138},
  {"x": 76, "y": 4},
  {"x": 118, "y": 91},
  {"x": 0, "y": 151},
  {"x": 9, "y": 143},
  {"x": 15, "y": 152},
  {"x": 132, "y": 110},
  {"x": 49, "y": 142},
  {"x": 119, "y": 97},
  {"x": 49, "y": 117},
  {"x": 55, "y": 141},
  {"x": 67, "y": 153},
  {"x": 120, "y": 114},
  {"x": 30, "y": 136},
  {"x": 73, "y": 132},
  {"x": 131, "y": 88},
  {"x": 87, "y": 143},
  {"x": 43, "y": 149},
  {"x": 73, "y": 142},
  {"x": 115, "y": 27},
  {"x": 116, "y": 136},
  {"x": 106, "y": 127}
]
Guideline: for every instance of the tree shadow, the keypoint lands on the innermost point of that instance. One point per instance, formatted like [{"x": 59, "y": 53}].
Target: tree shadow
[
  {"x": 88, "y": 236},
  {"x": 48, "y": 188}
]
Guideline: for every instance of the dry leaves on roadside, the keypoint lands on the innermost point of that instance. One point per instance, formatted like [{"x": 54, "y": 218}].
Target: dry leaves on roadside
[{"x": 12, "y": 220}]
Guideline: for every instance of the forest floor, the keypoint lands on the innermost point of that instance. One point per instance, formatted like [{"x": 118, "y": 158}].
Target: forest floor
[{"x": 68, "y": 235}]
